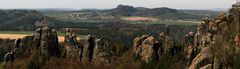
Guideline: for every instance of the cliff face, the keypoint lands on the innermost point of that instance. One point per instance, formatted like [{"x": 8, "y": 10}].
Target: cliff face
[
  {"x": 215, "y": 45},
  {"x": 224, "y": 46}
]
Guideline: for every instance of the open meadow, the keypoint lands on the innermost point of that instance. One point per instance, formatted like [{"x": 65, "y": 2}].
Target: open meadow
[{"x": 21, "y": 34}]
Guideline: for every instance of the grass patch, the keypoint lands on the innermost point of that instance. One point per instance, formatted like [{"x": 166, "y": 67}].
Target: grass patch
[
  {"x": 16, "y": 32},
  {"x": 31, "y": 32},
  {"x": 168, "y": 23}
]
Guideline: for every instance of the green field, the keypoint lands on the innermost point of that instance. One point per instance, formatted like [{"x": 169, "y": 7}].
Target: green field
[
  {"x": 31, "y": 32},
  {"x": 16, "y": 32},
  {"x": 24, "y": 32},
  {"x": 168, "y": 23}
]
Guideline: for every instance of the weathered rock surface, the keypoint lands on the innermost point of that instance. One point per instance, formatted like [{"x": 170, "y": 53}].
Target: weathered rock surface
[
  {"x": 91, "y": 49},
  {"x": 144, "y": 48},
  {"x": 205, "y": 54},
  {"x": 6, "y": 45},
  {"x": 70, "y": 37},
  {"x": 220, "y": 52},
  {"x": 44, "y": 41},
  {"x": 102, "y": 52}
]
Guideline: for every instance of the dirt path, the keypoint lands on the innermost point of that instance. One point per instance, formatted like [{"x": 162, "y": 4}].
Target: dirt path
[{"x": 16, "y": 36}]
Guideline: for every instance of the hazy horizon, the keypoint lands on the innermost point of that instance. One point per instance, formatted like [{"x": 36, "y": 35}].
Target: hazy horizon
[{"x": 107, "y": 4}]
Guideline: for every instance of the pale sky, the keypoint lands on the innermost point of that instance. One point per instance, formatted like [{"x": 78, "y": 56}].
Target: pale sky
[{"x": 107, "y": 4}]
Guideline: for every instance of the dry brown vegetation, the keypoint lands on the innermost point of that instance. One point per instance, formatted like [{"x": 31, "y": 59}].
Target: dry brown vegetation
[{"x": 16, "y": 36}]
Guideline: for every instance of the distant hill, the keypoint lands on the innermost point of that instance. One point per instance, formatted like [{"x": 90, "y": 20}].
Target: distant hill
[
  {"x": 161, "y": 13},
  {"x": 123, "y": 10},
  {"x": 45, "y": 10},
  {"x": 126, "y": 10},
  {"x": 220, "y": 9},
  {"x": 208, "y": 13},
  {"x": 165, "y": 13},
  {"x": 142, "y": 8},
  {"x": 24, "y": 20},
  {"x": 90, "y": 10}
]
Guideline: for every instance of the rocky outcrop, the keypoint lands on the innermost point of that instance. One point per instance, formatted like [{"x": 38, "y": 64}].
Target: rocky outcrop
[
  {"x": 10, "y": 56},
  {"x": 217, "y": 25},
  {"x": 6, "y": 45},
  {"x": 91, "y": 49},
  {"x": 88, "y": 48},
  {"x": 144, "y": 48},
  {"x": 70, "y": 37},
  {"x": 223, "y": 45},
  {"x": 72, "y": 47},
  {"x": 102, "y": 52},
  {"x": 209, "y": 66},
  {"x": 49, "y": 42},
  {"x": 72, "y": 51},
  {"x": 44, "y": 41},
  {"x": 205, "y": 54},
  {"x": 189, "y": 49},
  {"x": 166, "y": 42}
]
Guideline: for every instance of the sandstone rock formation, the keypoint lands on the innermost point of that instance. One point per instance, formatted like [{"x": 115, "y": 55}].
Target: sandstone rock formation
[
  {"x": 102, "y": 52},
  {"x": 7, "y": 45},
  {"x": 44, "y": 41},
  {"x": 205, "y": 54},
  {"x": 222, "y": 47},
  {"x": 70, "y": 37},
  {"x": 144, "y": 47},
  {"x": 90, "y": 49}
]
